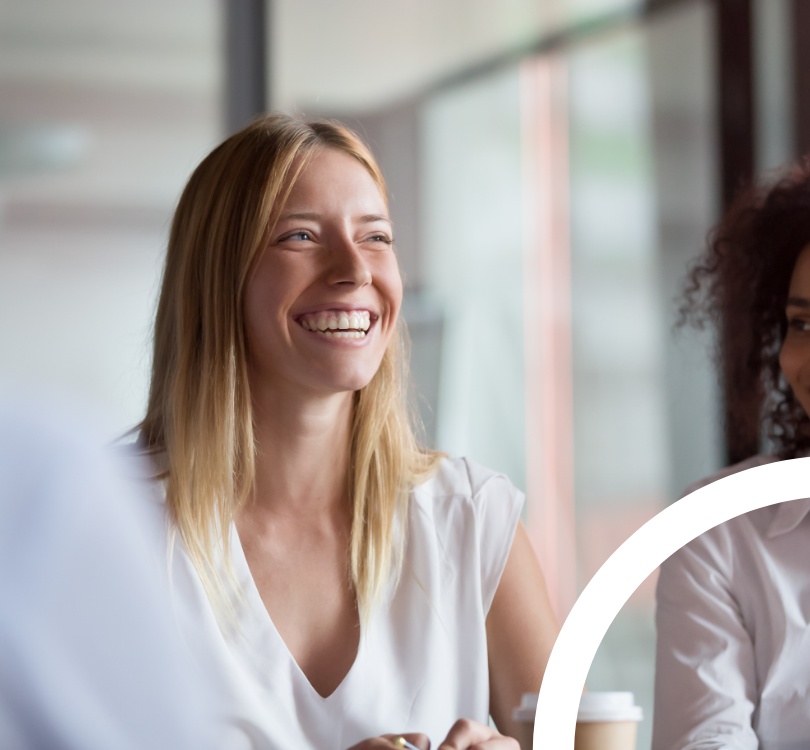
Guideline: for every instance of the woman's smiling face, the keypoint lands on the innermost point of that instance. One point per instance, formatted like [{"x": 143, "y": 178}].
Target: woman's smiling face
[
  {"x": 794, "y": 357},
  {"x": 323, "y": 297}
]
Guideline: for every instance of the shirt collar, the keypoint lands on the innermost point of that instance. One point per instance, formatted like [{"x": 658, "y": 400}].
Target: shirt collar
[{"x": 788, "y": 516}]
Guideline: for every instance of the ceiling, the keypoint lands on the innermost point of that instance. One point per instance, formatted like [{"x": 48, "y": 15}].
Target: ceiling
[{"x": 105, "y": 105}]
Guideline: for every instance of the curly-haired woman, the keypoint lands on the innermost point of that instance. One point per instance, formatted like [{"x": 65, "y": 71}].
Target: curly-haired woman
[{"x": 733, "y": 606}]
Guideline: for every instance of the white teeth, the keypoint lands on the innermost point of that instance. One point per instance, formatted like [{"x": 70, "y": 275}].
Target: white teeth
[
  {"x": 356, "y": 321},
  {"x": 345, "y": 334}
]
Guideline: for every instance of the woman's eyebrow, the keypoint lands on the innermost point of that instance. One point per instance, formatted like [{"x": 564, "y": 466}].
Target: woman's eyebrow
[
  {"x": 309, "y": 216},
  {"x": 300, "y": 215},
  {"x": 370, "y": 218},
  {"x": 798, "y": 302}
]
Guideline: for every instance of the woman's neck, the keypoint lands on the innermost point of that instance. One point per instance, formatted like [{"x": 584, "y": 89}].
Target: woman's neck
[{"x": 302, "y": 453}]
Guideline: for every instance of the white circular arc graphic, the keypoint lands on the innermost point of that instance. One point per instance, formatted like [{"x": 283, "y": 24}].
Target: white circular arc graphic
[{"x": 630, "y": 564}]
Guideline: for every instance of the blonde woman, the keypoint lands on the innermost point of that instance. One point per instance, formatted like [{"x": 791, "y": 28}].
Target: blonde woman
[{"x": 344, "y": 586}]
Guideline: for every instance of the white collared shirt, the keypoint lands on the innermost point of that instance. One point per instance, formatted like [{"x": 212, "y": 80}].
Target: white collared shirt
[{"x": 733, "y": 621}]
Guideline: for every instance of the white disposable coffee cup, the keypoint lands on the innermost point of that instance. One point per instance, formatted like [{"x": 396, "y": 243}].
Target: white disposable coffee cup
[
  {"x": 605, "y": 721},
  {"x": 524, "y": 714}
]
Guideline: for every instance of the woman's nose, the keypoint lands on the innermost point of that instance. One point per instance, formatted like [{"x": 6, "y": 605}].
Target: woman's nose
[{"x": 348, "y": 265}]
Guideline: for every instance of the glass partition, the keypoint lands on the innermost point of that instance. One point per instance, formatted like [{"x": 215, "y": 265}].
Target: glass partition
[
  {"x": 472, "y": 251},
  {"x": 645, "y": 395}
]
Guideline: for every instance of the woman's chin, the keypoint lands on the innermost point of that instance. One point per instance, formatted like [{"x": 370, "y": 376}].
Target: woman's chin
[
  {"x": 352, "y": 384},
  {"x": 343, "y": 382}
]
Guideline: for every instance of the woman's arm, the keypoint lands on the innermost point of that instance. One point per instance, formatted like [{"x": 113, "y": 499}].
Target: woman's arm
[
  {"x": 705, "y": 682},
  {"x": 521, "y": 629}
]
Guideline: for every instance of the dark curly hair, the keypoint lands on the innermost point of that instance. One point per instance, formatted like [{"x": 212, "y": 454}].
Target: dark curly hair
[{"x": 740, "y": 284}]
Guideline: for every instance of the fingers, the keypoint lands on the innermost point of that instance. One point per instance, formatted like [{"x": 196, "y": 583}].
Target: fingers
[
  {"x": 419, "y": 741},
  {"x": 466, "y": 734},
  {"x": 390, "y": 741}
]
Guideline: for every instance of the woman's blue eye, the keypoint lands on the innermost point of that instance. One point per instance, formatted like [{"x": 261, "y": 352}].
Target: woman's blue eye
[{"x": 299, "y": 236}]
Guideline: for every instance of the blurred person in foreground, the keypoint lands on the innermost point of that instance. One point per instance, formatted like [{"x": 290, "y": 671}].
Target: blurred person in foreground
[
  {"x": 733, "y": 606},
  {"x": 90, "y": 657},
  {"x": 353, "y": 588}
]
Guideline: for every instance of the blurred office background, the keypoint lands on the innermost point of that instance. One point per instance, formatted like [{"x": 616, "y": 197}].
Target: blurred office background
[{"x": 553, "y": 168}]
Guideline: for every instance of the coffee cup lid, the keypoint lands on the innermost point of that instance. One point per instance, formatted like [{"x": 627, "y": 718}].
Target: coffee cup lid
[
  {"x": 527, "y": 709},
  {"x": 608, "y": 706},
  {"x": 593, "y": 707}
]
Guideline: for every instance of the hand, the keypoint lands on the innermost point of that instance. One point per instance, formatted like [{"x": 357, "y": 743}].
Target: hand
[
  {"x": 389, "y": 742},
  {"x": 470, "y": 735}
]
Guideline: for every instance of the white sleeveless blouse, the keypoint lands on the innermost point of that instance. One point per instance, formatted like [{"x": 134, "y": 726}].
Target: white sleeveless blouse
[{"x": 422, "y": 659}]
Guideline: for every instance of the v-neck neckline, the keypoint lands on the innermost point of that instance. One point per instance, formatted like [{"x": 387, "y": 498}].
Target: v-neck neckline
[{"x": 263, "y": 619}]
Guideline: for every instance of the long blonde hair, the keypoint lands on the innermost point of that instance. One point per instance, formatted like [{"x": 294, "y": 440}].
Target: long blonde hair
[{"x": 199, "y": 412}]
